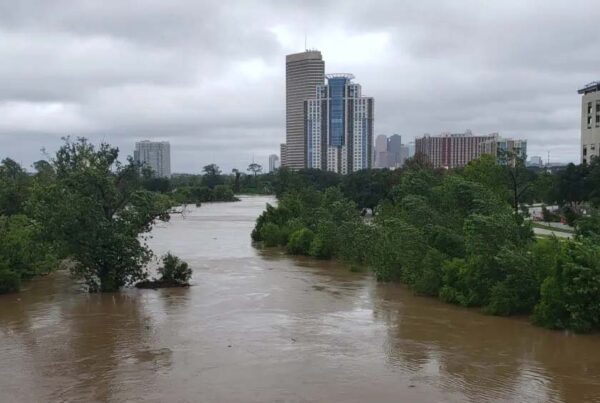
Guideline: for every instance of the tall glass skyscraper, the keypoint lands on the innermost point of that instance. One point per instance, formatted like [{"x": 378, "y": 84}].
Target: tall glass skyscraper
[{"x": 338, "y": 126}]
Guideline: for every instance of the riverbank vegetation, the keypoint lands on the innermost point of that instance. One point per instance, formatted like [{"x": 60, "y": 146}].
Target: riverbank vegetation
[
  {"x": 458, "y": 235},
  {"x": 173, "y": 273},
  {"x": 212, "y": 185},
  {"x": 83, "y": 205}
]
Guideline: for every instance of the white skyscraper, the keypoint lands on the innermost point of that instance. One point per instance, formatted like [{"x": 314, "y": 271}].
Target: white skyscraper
[{"x": 155, "y": 155}]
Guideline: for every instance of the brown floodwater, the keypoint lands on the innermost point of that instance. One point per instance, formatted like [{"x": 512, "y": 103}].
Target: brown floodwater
[{"x": 259, "y": 326}]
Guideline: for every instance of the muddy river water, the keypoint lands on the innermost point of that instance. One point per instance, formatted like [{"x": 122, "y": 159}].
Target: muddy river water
[{"x": 259, "y": 326}]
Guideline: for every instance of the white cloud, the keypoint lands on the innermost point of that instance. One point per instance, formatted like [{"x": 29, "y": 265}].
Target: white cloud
[{"x": 209, "y": 76}]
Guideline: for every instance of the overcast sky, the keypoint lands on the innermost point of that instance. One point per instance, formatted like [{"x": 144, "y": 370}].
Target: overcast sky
[{"x": 209, "y": 76}]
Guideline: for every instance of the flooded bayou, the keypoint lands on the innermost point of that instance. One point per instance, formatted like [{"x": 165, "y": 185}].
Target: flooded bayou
[{"x": 260, "y": 326}]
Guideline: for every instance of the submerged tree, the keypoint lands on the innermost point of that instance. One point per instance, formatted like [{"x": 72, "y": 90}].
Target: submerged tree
[{"x": 95, "y": 210}]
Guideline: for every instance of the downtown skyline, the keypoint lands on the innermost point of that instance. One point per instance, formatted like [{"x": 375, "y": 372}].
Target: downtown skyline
[{"x": 76, "y": 71}]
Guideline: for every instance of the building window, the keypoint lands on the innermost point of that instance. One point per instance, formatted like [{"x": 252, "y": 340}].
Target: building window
[
  {"x": 589, "y": 122},
  {"x": 584, "y": 151},
  {"x": 589, "y": 108}
]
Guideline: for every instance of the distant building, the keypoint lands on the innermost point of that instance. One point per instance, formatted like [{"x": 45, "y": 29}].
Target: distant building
[
  {"x": 504, "y": 149},
  {"x": 273, "y": 162},
  {"x": 590, "y": 121},
  {"x": 154, "y": 154},
  {"x": 457, "y": 150},
  {"x": 381, "y": 151},
  {"x": 303, "y": 73},
  {"x": 339, "y": 126},
  {"x": 395, "y": 151},
  {"x": 389, "y": 152},
  {"x": 405, "y": 154},
  {"x": 535, "y": 161},
  {"x": 411, "y": 149},
  {"x": 450, "y": 150}
]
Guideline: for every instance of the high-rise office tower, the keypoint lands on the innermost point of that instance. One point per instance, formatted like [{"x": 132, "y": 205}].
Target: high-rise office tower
[
  {"x": 273, "y": 162},
  {"x": 381, "y": 151},
  {"x": 339, "y": 126},
  {"x": 303, "y": 73},
  {"x": 155, "y": 155},
  {"x": 395, "y": 151},
  {"x": 590, "y": 121}
]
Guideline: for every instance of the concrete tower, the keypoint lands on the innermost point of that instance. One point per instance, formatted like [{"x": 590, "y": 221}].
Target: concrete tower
[
  {"x": 590, "y": 121},
  {"x": 303, "y": 73}
]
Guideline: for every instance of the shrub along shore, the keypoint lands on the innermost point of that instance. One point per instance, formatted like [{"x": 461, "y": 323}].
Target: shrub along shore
[{"x": 455, "y": 235}]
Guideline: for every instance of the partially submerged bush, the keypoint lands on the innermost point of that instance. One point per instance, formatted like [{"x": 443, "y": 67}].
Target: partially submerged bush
[
  {"x": 300, "y": 240},
  {"x": 174, "y": 269},
  {"x": 9, "y": 281}
]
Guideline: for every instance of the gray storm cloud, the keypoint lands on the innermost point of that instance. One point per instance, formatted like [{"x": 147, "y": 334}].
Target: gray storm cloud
[{"x": 209, "y": 76}]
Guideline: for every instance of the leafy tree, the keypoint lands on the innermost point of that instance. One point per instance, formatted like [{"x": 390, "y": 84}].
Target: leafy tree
[
  {"x": 212, "y": 176},
  {"x": 14, "y": 187},
  {"x": 519, "y": 287},
  {"x": 487, "y": 172},
  {"x": 44, "y": 171},
  {"x": 544, "y": 188},
  {"x": 519, "y": 179},
  {"x": 211, "y": 170},
  {"x": 96, "y": 212},
  {"x": 571, "y": 186},
  {"x": 570, "y": 295},
  {"x": 223, "y": 193},
  {"x": 589, "y": 226},
  {"x": 160, "y": 185},
  {"x": 23, "y": 251},
  {"x": 272, "y": 235},
  {"x": 254, "y": 168},
  {"x": 300, "y": 241},
  {"x": 367, "y": 187}
]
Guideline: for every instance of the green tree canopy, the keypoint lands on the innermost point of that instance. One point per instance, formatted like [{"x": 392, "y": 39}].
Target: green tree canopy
[{"x": 96, "y": 211}]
